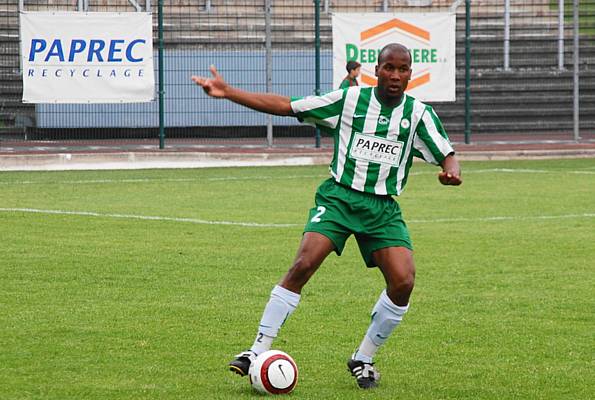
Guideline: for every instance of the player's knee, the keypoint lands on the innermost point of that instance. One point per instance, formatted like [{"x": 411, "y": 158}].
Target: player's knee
[
  {"x": 404, "y": 283},
  {"x": 407, "y": 283},
  {"x": 401, "y": 286},
  {"x": 302, "y": 268}
]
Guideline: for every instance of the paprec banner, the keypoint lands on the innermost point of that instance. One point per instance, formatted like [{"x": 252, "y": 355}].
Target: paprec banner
[{"x": 95, "y": 57}]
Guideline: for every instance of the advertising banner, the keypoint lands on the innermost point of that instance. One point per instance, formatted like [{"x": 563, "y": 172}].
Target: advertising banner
[
  {"x": 76, "y": 57},
  {"x": 430, "y": 37}
]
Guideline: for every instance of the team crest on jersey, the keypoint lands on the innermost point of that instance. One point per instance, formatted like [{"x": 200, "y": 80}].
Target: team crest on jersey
[
  {"x": 405, "y": 123},
  {"x": 383, "y": 120}
]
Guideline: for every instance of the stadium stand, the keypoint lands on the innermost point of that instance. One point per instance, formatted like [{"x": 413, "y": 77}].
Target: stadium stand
[{"x": 533, "y": 97}]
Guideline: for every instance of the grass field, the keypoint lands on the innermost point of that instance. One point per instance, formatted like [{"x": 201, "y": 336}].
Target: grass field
[{"x": 99, "y": 302}]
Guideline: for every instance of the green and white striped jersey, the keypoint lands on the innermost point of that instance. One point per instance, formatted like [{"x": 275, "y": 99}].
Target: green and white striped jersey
[{"x": 375, "y": 144}]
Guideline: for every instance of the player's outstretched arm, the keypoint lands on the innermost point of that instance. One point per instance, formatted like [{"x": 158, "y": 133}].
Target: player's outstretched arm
[
  {"x": 266, "y": 102},
  {"x": 451, "y": 171}
]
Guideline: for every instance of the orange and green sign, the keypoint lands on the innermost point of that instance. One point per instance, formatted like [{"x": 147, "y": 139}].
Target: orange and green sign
[{"x": 430, "y": 38}]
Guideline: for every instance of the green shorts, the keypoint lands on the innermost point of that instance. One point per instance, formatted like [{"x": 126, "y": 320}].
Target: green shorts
[{"x": 375, "y": 221}]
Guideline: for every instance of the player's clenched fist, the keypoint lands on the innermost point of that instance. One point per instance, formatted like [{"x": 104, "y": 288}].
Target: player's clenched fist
[{"x": 446, "y": 178}]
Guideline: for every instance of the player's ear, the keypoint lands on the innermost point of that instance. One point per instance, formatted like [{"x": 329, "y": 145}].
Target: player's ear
[{"x": 376, "y": 70}]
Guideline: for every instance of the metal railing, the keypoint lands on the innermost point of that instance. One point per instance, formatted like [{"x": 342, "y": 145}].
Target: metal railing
[{"x": 530, "y": 66}]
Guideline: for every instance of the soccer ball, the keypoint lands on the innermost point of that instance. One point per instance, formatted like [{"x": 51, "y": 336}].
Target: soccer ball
[{"x": 273, "y": 372}]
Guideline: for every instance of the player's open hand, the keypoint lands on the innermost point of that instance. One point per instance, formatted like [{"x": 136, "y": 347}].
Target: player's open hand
[
  {"x": 447, "y": 178},
  {"x": 215, "y": 86}
]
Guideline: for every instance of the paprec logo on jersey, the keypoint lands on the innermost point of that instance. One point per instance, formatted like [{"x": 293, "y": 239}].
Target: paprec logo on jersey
[{"x": 375, "y": 149}]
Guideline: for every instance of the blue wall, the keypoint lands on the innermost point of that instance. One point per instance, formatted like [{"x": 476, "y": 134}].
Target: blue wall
[{"x": 186, "y": 105}]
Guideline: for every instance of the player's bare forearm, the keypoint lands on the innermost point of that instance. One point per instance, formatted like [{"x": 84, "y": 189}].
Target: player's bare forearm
[
  {"x": 265, "y": 102},
  {"x": 269, "y": 103},
  {"x": 451, "y": 171}
]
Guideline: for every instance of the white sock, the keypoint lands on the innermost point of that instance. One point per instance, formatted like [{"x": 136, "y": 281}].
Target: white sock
[
  {"x": 386, "y": 316},
  {"x": 262, "y": 343},
  {"x": 366, "y": 350},
  {"x": 281, "y": 304}
]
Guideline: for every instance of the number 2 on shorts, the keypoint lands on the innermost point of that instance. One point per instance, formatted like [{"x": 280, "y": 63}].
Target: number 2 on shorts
[{"x": 321, "y": 210}]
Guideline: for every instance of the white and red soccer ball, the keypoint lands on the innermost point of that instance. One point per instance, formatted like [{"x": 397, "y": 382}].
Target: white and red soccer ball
[{"x": 273, "y": 372}]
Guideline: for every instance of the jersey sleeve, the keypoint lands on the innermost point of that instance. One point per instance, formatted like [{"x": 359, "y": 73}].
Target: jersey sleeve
[
  {"x": 431, "y": 142},
  {"x": 320, "y": 111}
]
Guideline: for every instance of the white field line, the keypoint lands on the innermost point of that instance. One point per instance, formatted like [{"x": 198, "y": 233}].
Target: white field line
[
  {"x": 146, "y": 217},
  {"x": 151, "y": 180},
  {"x": 280, "y": 177},
  {"x": 529, "y": 171},
  {"x": 503, "y": 218},
  {"x": 263, "y": 225}
]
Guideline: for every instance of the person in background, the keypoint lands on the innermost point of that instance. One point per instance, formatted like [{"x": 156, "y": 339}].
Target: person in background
[{"x": 353, "y": 69}]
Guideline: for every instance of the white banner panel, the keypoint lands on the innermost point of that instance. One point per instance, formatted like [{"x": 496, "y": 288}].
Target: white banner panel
[
  {"x": 75, "y": 57},
  {"x": 429, "y": 36}
]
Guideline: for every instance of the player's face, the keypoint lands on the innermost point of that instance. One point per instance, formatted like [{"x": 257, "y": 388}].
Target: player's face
[{"x": 393, "y": 74}]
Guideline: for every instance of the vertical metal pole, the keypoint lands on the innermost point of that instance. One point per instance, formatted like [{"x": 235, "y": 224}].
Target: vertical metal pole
[
  {"x": 384, "y": 5},
  {"x": 576, "y": 71},
  {"x": 161, "y": 83},
  {"x": 317, "y": 57},
  {"x": 468, "y": 71},
  {"x": 81, "y": 6},
  {"x": 507, "y": 35},
  {"x": 21, "y": 9},
  {"x": 560, "y": 35},
  {"x": 269, "y": 65}
]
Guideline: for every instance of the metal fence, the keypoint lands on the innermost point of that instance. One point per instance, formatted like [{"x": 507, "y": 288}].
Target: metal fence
[{"x": 522, "y": 79}]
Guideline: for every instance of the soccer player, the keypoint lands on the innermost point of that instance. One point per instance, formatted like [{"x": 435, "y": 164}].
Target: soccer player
[
  {"x": 353, "y": 68},
  {"x": 377, "y": 131}
]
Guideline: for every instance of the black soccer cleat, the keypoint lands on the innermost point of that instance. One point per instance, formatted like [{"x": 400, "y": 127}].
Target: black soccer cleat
[
  {"x": 241, "y": 364},
  {"x": 366, "y": 375}
]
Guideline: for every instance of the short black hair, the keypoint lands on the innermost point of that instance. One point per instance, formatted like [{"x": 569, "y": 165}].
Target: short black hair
[
  {"x": 351, "y": 65},
  {"x": 393, "y": 47}
]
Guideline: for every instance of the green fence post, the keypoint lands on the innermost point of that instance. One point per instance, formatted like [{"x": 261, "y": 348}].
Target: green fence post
[
  {"x": 467, "y": 71},
  {"x": 575, "y": 71},
  {"x": 317, "y": 56},
  {"x": 161, "y": 91}
]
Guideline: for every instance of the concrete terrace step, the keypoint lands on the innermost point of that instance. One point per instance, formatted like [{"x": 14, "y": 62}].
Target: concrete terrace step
[
  {"x": 521, "y": 112},
  {"x": 182, "y": 23},
  {"x": 484, "y": 89},
  {"x": 291, "y": 6},
  {"x": 525, "y": 128},
  {"x": 532, "y": 74},
  {"x": 11, "y": 103},
  {"x": 518, "y": 126},
  {"x": 536, "y": 100},
  {"x": 250, "y": 21},
  {"x": 484, "y": 105}
]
